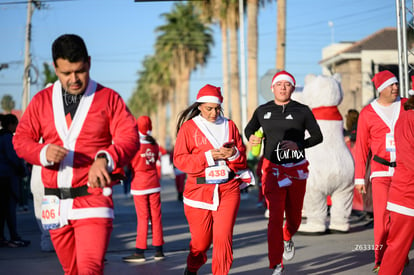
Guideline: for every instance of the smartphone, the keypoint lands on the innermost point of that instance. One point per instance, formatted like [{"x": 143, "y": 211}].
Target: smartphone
[{"x": 228, "y": 144}]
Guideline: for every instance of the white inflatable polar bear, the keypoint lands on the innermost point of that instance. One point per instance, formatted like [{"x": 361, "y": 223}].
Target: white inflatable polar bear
[{"x": 331, "y": 169}]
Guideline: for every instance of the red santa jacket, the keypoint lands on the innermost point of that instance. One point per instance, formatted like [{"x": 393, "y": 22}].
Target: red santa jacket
[
  {"x": 371, "y": 136},
  {"x": 189, "y": 156},
  {"x": 401, "y": 193},
  {"x": 102, "y": 123},
  {"x": 145, "y": 178}
]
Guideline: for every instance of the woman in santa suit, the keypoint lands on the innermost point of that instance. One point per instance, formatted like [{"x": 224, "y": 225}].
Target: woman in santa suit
[
  {"x": 401, "y": 196},
  {"x": 209, "y": 149},
  {"x": 146, "y": 188}
]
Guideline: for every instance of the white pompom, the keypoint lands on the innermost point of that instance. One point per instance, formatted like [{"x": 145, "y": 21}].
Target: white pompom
[{"x": 107, "y": 191}]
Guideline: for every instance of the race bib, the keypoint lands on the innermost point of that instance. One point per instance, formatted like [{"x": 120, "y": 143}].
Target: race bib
[
  {"x": 50, "y": 212},
  {"x": 390, "y": 142},
  {"x": 217, "y": 174}
]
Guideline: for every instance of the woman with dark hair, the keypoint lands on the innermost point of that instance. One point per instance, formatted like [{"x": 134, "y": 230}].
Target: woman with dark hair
[
  {"x": 400, "y": 201},
  {"x": 12, "y": 168},
  {"x": 209, "y": 149}
]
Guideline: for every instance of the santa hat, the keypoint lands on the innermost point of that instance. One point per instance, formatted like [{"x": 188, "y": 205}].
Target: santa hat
[
  {"x": 411, "y": 91},
  {"x": 210, "y": 94},
  {"x": 283, "y": 75},
  {"x": 384, "y": 79},
  {"x": 144, "y": 125}
]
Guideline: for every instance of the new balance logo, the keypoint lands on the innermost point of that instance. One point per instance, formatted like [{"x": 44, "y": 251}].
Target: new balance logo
[{"x": 289, "y": 117}]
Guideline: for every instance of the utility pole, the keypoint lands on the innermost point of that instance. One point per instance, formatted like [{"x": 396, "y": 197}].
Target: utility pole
[
  {"x": 404, "y": 67},
  {"x": 31, "y": 5},
  {"x": 281, "y": 35}
]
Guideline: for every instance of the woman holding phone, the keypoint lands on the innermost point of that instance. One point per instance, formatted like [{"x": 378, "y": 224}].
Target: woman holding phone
[{"x": 209, "y": 149}]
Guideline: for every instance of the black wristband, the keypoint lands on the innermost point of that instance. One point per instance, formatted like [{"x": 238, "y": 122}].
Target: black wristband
[{"x": 102, "y": 156}]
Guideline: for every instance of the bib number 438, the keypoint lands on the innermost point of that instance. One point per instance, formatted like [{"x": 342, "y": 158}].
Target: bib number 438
[{"x": 217, "y": 174}]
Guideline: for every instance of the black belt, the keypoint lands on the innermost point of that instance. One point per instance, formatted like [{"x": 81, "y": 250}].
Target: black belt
[
  {"x": 385, "y": 162},
  {"x": 202, "y": 180},
  {"x": 68, "y": 193}
]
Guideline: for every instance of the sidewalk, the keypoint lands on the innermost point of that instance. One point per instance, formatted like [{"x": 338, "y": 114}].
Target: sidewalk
[{"x": 326, "y": 254}]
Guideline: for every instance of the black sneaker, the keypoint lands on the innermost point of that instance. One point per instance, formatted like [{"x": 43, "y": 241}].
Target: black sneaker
[
  {"x": 187, "y": 272},
  {"x": 134, "y": 258},
  {"x": 18, "y": 243},
  {"x": 159, "y": 255}
]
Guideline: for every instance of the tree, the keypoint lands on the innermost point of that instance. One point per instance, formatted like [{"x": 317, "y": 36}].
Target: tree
[
  {"x": 233, "y": 24},
  {"x": 152, "y": 95},
  {"x": 226, "y": 13},
  {"x": 215, "y": 11},
  {"x": 7, "y": 103},
  {"x": 185, "y": 42},
  {"x": 252, "y": 38},
  {"x": 48, "y": 74}
]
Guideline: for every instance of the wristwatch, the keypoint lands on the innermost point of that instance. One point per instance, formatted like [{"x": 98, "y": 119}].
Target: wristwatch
[{"x": 102, "y": 156}]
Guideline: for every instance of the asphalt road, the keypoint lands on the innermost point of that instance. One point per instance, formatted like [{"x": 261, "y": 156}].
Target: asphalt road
[{"x": 326, "y": 254}]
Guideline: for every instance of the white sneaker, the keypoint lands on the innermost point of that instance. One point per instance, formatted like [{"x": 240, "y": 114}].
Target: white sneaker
[
  {"x": 289, "y": 250},
  {"x": 266, "y": 214},
  {"x": 278, "y": 270}
]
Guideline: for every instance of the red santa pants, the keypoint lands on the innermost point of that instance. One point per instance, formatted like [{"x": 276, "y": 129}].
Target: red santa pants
[
  {"x": 81, "y": 245},
  {"x": 399, "y": 241},
  {"x": 217, "y": 226},
  {"x": 148, "y": 207},
  {"x": 288, "y": 200},
  {"x": 380, "y": 187}
]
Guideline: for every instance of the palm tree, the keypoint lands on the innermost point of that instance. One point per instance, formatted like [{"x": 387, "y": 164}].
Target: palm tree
[
  {"x": 226, "y": 13},
  {"x": 186, "y": 41},
  {"x": 252, "y": 36},
  {"x": 152, "y": 95},
  {"x": 215, "y": 11},
  {"x": 233, "y": 24},
  {"x": 48, "y": 74}
]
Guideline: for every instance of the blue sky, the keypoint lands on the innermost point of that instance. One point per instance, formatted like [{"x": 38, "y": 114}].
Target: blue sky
[{"x": 120, "y": 33}]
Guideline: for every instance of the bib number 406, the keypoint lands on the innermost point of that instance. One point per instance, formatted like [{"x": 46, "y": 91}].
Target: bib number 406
[{"x": 48, "y": 214}]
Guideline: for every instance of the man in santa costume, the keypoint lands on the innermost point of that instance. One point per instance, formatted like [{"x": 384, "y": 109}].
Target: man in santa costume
[
  {"x": 88, "y": 132},
  {"x": 375, "y": 134},
  {"x": 401, "y": 196},
  {"x": 210, "y": 150},
  {"x": 285, "y": 168}
]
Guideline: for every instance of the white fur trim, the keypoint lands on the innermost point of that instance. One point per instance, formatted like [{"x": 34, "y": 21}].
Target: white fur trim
[
  {"x": 400, "y": 209},
  {"x": 146, "y": 191},
  {"x": 43, "y": 159},
  {"x": 388, "y": 173},
  {"x": 283, "y": 77},
  {"x": 359, "y": 181},
  {"x": 209, "y": 99},
  {"x": 92, "y": 212},
  {"x": 387, "y": 83},
  {"x": 204, "y": 205},
  {"x": 209, "y": 158},
  {"x": 235, "y": 156}
]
